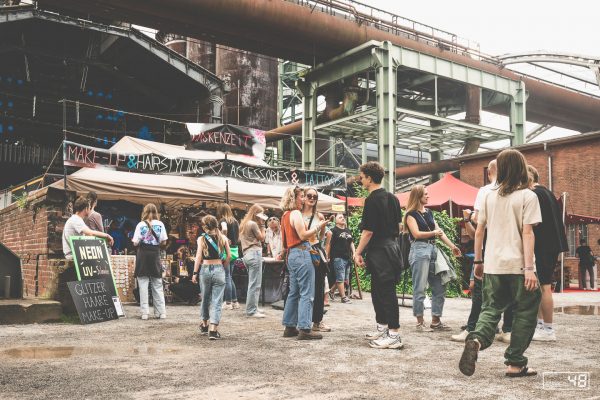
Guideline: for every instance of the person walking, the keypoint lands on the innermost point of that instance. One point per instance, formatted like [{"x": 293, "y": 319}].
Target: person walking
[
  {"x": 509, "y": 212},
  {"x": 550, "y": 241},
  {"x": 209, "y": 265},
  {"x": 423, "y": 230},
  {"x": 312, "y": 220},
  {"x": 586, "y": 264},
  {"x": 380, "y": 228},
  {"x": 297, "y": 314},
  {"x": 252, "y": 234},
  {"x": 230, "y": 228},
  {"x": 340, "y": 250},
  {"x": 149, "y": 234},
  {"x": 502, "y": 335}
]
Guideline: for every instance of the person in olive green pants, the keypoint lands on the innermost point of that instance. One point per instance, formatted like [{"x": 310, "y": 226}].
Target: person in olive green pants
[
  {"x": 500, "y": 292},
  {"x": 509, "y": 211}
]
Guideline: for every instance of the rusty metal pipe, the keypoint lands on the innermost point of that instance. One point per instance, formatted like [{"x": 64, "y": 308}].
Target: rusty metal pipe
[{"x": 287, "y": 30}]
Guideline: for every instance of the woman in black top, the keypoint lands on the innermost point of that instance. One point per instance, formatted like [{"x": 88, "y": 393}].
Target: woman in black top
[
  {"x": 230, "y": 228},
  {"x": 211, "y": 246},
  {"x": 423, "y": 231}
]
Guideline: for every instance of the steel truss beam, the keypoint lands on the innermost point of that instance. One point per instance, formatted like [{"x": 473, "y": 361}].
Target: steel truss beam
[{"x": 391, "y": 126}]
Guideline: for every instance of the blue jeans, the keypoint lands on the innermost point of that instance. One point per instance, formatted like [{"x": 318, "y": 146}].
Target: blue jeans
[
  {"x": 299, "y": 304},
  {"x": 253, "y": 261},
  {"x": 342, "y": 269},
  {"x": 422, "y": 258},
  {"x": 230, "y": 289},
  {"x": 212, "y": 286},
  {"x": 158, "y": 295}
]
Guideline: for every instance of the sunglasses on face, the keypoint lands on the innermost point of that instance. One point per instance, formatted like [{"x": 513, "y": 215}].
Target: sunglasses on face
[{"x": 312, "y": 196}]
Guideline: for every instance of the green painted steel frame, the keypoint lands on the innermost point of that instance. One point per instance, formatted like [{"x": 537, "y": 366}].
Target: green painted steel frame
[{"x": 385, "y": 58}]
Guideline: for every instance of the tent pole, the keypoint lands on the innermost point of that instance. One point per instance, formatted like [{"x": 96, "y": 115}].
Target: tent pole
[
  {"x": 64, "y": 126},
  {"x": 562, "y": 255},
  {"x": 451, "y": 213}
]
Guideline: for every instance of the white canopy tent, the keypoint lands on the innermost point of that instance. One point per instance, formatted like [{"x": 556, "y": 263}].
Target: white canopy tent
[{"x": 175, "y": 190}]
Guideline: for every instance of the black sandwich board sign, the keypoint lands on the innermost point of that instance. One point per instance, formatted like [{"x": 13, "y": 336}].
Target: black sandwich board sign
[
  {"x": 92, "y": 261},
  {"x": 93, "y": 300}
]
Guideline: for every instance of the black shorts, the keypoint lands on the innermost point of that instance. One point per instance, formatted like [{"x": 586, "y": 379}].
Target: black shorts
[{"x": 544, "y": 265}]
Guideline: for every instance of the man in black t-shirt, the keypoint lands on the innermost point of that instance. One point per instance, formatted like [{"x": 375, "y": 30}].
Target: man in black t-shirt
[
  {"x": 380, "y": 227},
  {"x": 550, "y": 241},
  {"x": 586, "y": 264},
  {"x": 340, "y": 250}
]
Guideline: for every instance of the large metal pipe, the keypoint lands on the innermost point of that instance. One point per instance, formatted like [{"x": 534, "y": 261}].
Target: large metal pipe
[{"x": 291, "y": 31}]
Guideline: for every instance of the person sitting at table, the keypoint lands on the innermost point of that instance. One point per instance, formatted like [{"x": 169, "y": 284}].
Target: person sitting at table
[
  {"x": 273, "y": 238},
  {"x": 182, "y": 286}
]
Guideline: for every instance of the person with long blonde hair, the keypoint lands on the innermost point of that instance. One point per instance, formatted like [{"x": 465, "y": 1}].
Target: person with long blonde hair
[
  {"x": 212, "y": 245},
  {"x": 230, "y": 228},
  {"x": 252, "y": 234},
  {"x": 297, "y": 314},
  {"x": 149, "y": 234},
  {"x": 423, "y": 230}
]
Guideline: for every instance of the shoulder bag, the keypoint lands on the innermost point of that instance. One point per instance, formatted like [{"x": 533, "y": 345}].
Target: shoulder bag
[{"x": 210, "y": 240}]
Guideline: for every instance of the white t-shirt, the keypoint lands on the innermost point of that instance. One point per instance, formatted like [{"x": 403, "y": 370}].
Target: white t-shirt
[
  {"x": 143, "y": 234},
  {"x": 73, "y": 227},
  {"x": 504, "y": 217},
  {"x": 274, "y": 240},
  {"x": 481, "y": 194}
]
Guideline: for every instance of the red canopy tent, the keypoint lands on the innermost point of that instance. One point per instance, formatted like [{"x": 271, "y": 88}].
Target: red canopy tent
[
  {"x": 449, "y": 192},
  {"x": 442, "y": 193}
]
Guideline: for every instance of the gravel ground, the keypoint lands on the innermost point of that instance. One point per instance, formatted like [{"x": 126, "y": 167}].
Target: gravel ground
[{"x": 168, "y": 359}]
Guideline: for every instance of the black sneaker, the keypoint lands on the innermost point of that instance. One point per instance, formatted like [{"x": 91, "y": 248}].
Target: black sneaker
[
  {"x": 214, "y": 335},
  {"x": 203, "y": 329}
]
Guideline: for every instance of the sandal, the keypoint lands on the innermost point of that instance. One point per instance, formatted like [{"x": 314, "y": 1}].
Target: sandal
[{"x": 525, "y": 371}]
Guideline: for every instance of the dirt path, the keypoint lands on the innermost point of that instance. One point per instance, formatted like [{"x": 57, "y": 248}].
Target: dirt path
[{"x": 168, "y": 359}]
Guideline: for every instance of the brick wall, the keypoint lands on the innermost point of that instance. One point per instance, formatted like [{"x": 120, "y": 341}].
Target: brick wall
[
  {"x": 33, "y": 232},
  {"x": 575, "y": 170}
]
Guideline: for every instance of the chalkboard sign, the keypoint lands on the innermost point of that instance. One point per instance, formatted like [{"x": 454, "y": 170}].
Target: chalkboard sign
[
  {"x": 93, "y": 300},
  {"x": 92, "y": 259}
]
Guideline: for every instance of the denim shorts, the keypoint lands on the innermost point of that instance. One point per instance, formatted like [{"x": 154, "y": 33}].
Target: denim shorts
[{"x": 342, "y": 269}]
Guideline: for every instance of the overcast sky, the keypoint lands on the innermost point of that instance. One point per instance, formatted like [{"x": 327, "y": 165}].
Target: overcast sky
[
  {"x": 516, "y": 26},
  {"x": 510, "y": 26}
]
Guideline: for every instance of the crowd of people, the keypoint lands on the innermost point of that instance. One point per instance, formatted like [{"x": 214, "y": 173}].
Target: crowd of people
[{"x": 517, "y": 231}]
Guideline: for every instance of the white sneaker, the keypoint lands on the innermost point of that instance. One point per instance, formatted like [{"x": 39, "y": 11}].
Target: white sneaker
[
  {"x": 145, "y": 316},
  {"x": 228, "y": 306},
  {"x": 162, "y": 316},
  {"x": 544, "y": 335},
  {"x": 461, "y": 337},
  {"x": 257, "y": 315},
  {"x": 377, "y": 334},
  {"x": 503, "y": 337},
  {"x": 423, "y": 327},
  {"x": 387, "y": 342}
]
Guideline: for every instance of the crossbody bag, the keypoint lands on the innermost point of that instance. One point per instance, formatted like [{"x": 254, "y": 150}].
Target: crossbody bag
[{"x": 210, "y": 240}]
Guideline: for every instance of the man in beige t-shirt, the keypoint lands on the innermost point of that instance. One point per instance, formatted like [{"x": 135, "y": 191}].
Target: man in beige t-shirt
[{"x": 509, "y": 212}]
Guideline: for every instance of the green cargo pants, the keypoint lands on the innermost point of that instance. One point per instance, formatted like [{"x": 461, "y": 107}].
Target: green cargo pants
[{"x": 499, "y": 292}]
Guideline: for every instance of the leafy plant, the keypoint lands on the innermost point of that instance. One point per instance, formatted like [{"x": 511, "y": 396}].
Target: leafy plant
[
  {"x": 447, "y": 224},
  {"x": 22, "y": 201}
]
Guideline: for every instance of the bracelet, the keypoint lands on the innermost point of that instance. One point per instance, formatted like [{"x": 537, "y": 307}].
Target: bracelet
[
  {"x": 196, "y": 273},
  {"x": 478, "y": 262},
  {"x": 528, "y": 269}
]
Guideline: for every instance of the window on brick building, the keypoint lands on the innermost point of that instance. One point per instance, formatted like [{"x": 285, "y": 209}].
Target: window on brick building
[{"x": 575, "y": 234}]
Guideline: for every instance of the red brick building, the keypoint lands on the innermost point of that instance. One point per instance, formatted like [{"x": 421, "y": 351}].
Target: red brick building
[{"x": 569, "y": 165}]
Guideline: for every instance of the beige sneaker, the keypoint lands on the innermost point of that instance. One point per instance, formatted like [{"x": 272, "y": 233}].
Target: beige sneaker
[
  {"x": 321, "y": 327},
  {"x": 503, "y": 337},
  {"x": 228, "y": 306},
  {"x": 235, "y": 305},
  {"x": 422, "y": 327},
  {"x": 461, "y": 337}
]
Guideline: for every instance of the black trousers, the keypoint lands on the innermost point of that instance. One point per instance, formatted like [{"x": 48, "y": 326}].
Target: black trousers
[
  {"x": 319, "y": 301},
  {"x": 582, "y": 271},
  {"x": 476, "y": 302},
  {"x": 385, "y": 302}
]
